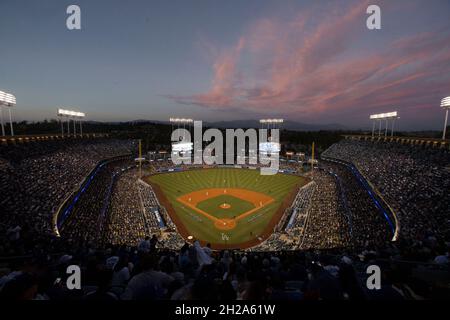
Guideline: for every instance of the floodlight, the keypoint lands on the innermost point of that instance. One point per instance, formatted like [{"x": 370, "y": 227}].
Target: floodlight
[
  {"x": 182, "y": 146},
  {"x": 7, "y": 99},
  {"x": 271, "y": 121},
  {"x": 381, "y": 116},
  {"x": 384, "y": 116},
  {"x": 180, "y": 120},
  {"x": 445, "y": 103},
  {"x": 70, "y": 113},
  {"x": 10, "y": 99}
]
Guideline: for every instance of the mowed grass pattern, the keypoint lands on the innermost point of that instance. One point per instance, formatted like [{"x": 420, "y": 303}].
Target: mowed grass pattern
[
  {"x": 176, "y": 184},
  {"x": 238, "y": 206}
]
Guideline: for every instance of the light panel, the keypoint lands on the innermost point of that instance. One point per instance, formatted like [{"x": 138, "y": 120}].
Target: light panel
[
  {"x": 387, "y": 115},
  {"x": 10, "y": 99},
  {"x": 71, "y": 113},
  {"x": 7, "y": 99},
  {"x": 271, "y": 121},
  {"x": 445, "y": 103},
  {"x": 181, "y": 120},
  {"x": 182, "y": 146}
]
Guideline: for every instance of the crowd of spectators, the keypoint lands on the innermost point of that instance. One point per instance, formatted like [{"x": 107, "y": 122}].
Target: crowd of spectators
[
  {"x": 336, "y": 232},
  {"x": 150, "y": 272},
  {"x": 36, "y": 177},
  {"x": 365, "y": 221},
  {"x": 127, "y": 222},
  {"x": 325, "y": 226},
  {"x": 301, "y": 206},
  {"x": 89, "y": 212},
  {"x": 333, "y": 211},
  {"x": 150, "y": 205},
  {"x": 117, "y": 208},
  {"x": 413, "y": 179},
  {"x": 292, "y": 225}
]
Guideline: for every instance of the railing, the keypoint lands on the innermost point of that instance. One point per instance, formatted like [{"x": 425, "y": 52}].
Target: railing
[
  {"x": 21, "y": 139},
  {"x": 64, "y": 209},
  {"x": 430, "y": 142},
  {"x": 378, "y": 193},
  {"x": 373, "y": 190}
]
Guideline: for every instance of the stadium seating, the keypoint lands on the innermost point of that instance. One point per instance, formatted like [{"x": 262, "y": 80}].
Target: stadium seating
[{"x": 331, "y": 232}]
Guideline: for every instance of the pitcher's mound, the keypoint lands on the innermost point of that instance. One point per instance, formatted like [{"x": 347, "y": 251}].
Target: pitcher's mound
[{"x": 225, "y": 206}]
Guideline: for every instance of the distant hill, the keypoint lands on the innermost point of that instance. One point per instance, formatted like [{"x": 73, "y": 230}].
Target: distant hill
[{"x": 288, "y": 125}]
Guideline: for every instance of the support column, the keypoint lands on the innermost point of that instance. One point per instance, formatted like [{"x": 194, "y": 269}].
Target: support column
[
  {"x": 1, "y": 117},
  {"x": 445, "y": 124},
  {"x": 10, "y": 122}
]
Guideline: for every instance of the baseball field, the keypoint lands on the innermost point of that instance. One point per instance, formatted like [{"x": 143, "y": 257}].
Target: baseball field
[{"x": 227, "y": 207}]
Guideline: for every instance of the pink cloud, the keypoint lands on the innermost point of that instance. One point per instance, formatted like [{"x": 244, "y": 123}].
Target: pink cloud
[{"x": 307, "y": 67}]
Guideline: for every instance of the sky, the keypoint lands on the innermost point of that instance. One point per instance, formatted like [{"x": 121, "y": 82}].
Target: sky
[{"x": 313, "y": 61}]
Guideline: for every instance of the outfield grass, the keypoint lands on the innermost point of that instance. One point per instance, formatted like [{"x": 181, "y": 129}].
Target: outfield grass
[{"x": 176, "y": 184}]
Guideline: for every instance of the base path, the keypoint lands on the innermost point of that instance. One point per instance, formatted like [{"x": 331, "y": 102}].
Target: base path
[{"x": 192, "y": 199}]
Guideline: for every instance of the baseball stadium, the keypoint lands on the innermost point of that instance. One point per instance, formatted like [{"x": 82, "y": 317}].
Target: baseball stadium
[{"x": 218, "y": 151}]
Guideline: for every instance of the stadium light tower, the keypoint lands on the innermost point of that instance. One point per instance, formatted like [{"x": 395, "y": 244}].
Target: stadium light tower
[
  {"x": 7, "y": 100},
  {"x": 271, "y": 146},
  {"x": 181, "y": 121},
  {"x": 181, "y": 147},
  {"x": 445, "y": 103},
  {"x": 269, "y": 122},
  {"x": 383, "y": 116},
  {"x": 70, "y": 114}
]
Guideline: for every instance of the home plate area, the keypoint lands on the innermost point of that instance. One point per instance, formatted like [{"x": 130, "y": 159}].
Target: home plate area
[{"x": 225, "y": 206}]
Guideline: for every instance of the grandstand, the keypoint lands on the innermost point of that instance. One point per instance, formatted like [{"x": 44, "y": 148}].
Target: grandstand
[
  {"x": 411, "y": 177},
  {"x": 366, "y": 201},
  {"x": 225, "y": 155}
]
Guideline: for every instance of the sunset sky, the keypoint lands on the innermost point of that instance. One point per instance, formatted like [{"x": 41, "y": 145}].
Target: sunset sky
[{"x": 308, "y": 61}]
